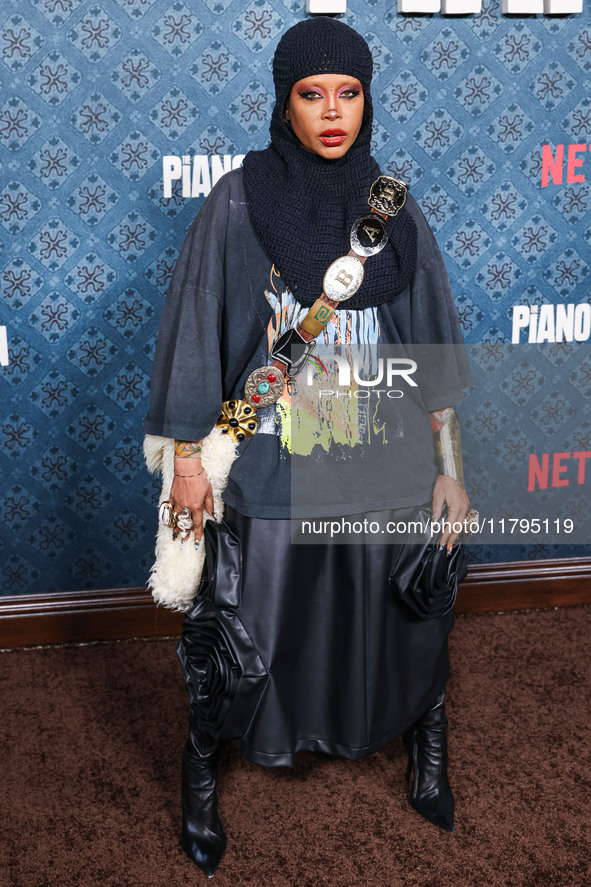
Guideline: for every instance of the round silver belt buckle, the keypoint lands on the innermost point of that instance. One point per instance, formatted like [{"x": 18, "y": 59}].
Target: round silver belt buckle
[
  {"x": 343, "y": 278},
  {"x": 369, "y": 234}
]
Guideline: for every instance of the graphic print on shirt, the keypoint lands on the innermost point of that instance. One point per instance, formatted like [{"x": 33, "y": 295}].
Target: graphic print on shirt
[{"x": 301, "y": 418}]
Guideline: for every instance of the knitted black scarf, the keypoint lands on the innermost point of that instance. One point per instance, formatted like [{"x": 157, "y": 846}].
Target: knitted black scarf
[{"x": 301, "y": 205}]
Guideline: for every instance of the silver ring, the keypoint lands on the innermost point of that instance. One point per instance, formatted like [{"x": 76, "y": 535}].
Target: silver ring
[
  {"x": 167, "y": 514},
  {"x": 184, "y": 520}
]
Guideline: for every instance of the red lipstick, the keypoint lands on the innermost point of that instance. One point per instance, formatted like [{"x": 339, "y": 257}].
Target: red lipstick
[{"x": 332, "y": 137}]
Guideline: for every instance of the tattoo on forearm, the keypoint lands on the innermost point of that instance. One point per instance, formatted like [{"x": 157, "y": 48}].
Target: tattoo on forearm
[{"x": 184, "y": 448}]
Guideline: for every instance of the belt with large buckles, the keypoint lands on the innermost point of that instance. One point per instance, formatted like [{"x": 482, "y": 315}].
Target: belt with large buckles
[{"x": 342, "y": 279}]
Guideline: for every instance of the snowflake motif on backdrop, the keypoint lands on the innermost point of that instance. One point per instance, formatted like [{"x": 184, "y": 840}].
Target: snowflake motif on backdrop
[
  {"x": 135, "y": 75},
  {"x": 468, "y": 243},
  {"x": 252, "y": 107},
  {"x": 53, "y": 244},
  {"x": 23, "y": 361},
  {"x": 486, "y": 23},
  {"x": 177, "y": 30},
  {"x": 438, "y": 134},
  {"x": 258, "y": 25},
  {"x": 382, "y": 56},
  {"x": 580, "y": 49},
  {"x": 53, "y": 394},
  {"x": 513, "y": 450},
  {"x": 534, "y": 238},
  {"x": 54, "y": 468},
  {"x": 498, "y": 276},
  {"x": 124, "y": 460},
  {"x": 92, "y": 352},
  {"x": 17, "y": 206},
  {"x": 174, "y": 113},
  {"x": 134, "y": 156},
  {"x": 517, "y": 48},
  {"x": 578, "y": 122},
  {"x": 19, "y": 283},
  {"x": 438, "y": 206},
  {"x": 53, "y": 317},
  {"x": 57, "y": 11},
  {"x": 90, "y": 278},
  {"x": 92, "y": 199},
  {"x": 95, "y": 34},
  {"x": 551, "y": 86},
  {"x": 54, "y": 79},
  {"x": 18, "y": 122},
  {"x": 132, "y": 236},
  {"x": 581, "y": 379},
  {"x": 53, "y": 163},
  {"x": 504, "y": 206},
  {"x": 552, "y": 413},
  {"x": 19, "y": 504},
  {"x": 95, "y": 118},
  {"x": 510, "y": 128},
  {"x": 523, "y": 383},
  {"x": 573, "y": 202},
  {"x": 51, "y": 536},
  {"x": 94, "y": 94},
  {"x": 215, "y": 68},
  {"x": 129, "y": 313},
  {"x": 404, "y": 96},
  {"x": 403, "y": 165},
  {"x": 471, "y": 170},
  {"x": 19, "y": 42},
  {"x": 405, "y": 27},
  {"x": 445, "y": 54},
  {"x": 566, "y": 272},
  {"x": 478, "y": 90},
  {"x": 17, "y": 434}
]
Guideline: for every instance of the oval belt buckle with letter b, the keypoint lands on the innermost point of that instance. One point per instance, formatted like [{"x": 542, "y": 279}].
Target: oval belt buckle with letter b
[{"x": 343, "y": 278}]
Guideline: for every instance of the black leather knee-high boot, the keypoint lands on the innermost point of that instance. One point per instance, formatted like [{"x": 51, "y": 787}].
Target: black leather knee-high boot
[
  {"x": 426, "y": 744},
  {"x": 203, "y": 837}
]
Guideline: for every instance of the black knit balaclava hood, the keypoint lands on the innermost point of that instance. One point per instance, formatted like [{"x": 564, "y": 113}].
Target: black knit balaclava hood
[{"x": 302, "y": 206}]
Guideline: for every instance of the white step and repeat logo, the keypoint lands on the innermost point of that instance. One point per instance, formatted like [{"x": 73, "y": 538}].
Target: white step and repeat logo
[{"x": 197, "y": 173}]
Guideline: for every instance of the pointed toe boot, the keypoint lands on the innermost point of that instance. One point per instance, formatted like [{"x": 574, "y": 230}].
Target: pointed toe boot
[
  {"x": 203, "y": 838},
  {"x": 426, "y": 746}
]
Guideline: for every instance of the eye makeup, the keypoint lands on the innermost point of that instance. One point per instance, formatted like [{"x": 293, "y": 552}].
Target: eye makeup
[{"x": 346, "y": 92}]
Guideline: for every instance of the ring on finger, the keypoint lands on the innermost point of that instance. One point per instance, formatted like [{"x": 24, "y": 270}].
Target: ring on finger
[
  {"x": 167, "y": 514},
  {"x": 185, "y": 520}
]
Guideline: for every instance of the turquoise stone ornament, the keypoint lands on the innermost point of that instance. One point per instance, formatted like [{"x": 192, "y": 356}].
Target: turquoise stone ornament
[{"x": 263, "y": 387}]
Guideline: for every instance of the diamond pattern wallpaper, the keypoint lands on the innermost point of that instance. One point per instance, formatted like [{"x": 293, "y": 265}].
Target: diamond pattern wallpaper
[{"x": 94, "y": 94}]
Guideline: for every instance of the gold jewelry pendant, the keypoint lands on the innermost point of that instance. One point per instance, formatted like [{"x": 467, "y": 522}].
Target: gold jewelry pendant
[{"x": 237, "y": 419}]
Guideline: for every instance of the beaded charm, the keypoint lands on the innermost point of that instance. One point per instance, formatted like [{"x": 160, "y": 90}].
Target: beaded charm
[{"x": 264, "y": 386}]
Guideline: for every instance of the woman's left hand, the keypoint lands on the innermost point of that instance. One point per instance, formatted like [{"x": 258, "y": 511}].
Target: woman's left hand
[{"x": 447, "y": 492}]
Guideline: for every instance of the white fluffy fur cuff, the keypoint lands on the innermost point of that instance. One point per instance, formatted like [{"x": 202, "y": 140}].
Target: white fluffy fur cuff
[{"x": 176, "y": 572}]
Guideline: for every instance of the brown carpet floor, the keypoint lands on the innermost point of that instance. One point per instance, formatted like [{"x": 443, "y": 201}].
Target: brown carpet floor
[{"x": 91, "y": 739}]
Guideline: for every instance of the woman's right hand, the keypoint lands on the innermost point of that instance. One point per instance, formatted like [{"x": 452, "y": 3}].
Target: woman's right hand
[{"x": 191, "y": 489}]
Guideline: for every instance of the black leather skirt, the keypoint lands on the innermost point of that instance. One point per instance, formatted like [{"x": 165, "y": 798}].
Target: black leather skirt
[{"x": 302, "y": 647}]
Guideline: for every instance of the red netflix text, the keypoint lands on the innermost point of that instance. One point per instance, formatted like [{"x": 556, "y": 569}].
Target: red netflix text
[
  {"x": 554, "y": 165},
  {"x": 563, "y": 465}
]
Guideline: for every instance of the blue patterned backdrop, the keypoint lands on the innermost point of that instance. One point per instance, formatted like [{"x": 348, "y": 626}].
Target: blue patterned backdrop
[{"x": 93, "y": 94}]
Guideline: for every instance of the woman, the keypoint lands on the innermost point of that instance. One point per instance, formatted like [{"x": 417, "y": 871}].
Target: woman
[{"x": 277, "y": 658}]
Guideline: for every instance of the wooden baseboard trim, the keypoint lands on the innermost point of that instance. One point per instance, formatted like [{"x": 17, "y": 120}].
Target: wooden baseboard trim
[
  {"x": 525, "y": 585},
  {"x": 119, "y": 613},
  {"x": 70, "y": 616}
]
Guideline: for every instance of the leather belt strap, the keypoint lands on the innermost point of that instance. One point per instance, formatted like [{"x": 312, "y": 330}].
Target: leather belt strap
[
  {"x": 322, "y": 310},
  {"x": 343, "y": 278}
]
